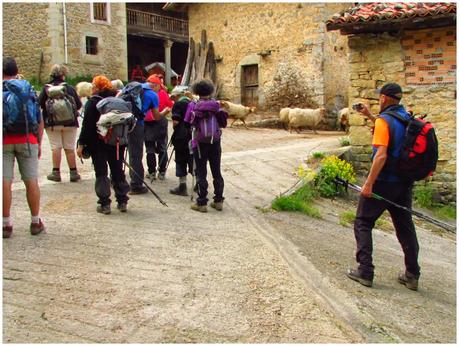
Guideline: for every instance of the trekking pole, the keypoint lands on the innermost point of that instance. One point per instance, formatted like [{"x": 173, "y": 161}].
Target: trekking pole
[
  {"x": 444, "y": 225},
  {"x": 164, "y": 155},
  {"x": 143, "y": 181},
  {"x": 170, "y": 157}
]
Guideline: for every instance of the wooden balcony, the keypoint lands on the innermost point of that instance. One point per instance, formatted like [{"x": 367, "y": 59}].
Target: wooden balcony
[{"x": 154, "y": 25}]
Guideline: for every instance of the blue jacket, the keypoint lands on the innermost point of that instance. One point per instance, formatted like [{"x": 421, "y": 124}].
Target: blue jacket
[
  {"x": 396, "y": 135},
  {"x": 150, "y": 100}
]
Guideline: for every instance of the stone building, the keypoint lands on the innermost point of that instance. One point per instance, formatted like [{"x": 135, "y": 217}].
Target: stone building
[
  {"x": 272, "y": 55},
  {"x": 93, "y": 38},
  {"x": 414, "y": 45}
]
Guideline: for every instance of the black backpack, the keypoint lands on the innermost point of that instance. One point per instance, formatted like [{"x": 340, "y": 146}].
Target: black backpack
[{"x": 419, "y": 154}]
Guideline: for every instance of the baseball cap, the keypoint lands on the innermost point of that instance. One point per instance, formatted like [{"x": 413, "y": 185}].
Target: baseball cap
[
  {"x": 392, "y": 90},
  {"x": 154, "y": 79}
]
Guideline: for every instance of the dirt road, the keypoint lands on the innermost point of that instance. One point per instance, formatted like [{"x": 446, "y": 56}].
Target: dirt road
[{"x": 160, "y": 274}]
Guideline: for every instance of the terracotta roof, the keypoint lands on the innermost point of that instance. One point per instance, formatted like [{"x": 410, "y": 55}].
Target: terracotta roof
[{"x": 379, "y": 12}]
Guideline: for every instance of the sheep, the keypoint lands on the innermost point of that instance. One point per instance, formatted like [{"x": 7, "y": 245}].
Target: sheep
[
  {"x": 239, "y": 112},
  {"x": 305, "y": 118},
  {"x": 283, "y": 116},
  {"x": 343, "y": 118},
  {"x": 84, "y": 89}
]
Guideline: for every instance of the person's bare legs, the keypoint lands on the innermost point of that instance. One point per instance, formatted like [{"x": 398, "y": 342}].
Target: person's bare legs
[
  {"x": 57, "y": 157},
  {"x": 70, "y": 156},
  {"x": 33, "y": 196},
  {"x": 7, "y": 197}
]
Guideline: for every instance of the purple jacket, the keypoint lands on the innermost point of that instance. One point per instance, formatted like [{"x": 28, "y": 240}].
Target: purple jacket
[{"x": 200, "y": 108}]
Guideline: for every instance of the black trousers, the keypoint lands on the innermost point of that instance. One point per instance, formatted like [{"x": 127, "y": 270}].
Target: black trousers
[
  {"x": 211, "y": 153},
  {"x": 183, "y": 159},
  {"x": 135, "y": 148},
  {"x": 104, "y": 156},
  {"x": 156, "y": 138},
  {"x": 370, "y": 209}
]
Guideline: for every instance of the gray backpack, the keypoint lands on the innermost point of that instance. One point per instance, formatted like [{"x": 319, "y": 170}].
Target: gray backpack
[{"x": 60, "y": 106}]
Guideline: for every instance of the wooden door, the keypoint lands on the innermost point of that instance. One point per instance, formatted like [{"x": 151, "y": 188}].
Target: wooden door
[{"x": 249, "y": 86}]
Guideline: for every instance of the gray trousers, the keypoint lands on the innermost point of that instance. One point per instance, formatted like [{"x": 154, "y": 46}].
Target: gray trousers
[{"x": 135, "y": 149}]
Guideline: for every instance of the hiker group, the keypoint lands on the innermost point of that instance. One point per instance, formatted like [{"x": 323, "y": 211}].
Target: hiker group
[{"x": 118, "y": 120}]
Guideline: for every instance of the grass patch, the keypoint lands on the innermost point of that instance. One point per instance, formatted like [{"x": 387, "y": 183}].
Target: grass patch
[
  {"x": 344, "y": 141},
  {"x": 446, "y": 212},
  {"x": 300, "y": 201},
  {"x": 347, "y": 218},
  {"x": 318, "y": 155}
]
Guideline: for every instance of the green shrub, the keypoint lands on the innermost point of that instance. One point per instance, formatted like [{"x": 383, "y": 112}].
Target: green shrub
[
  {"x": 300, "y": 201},
  {"x": 332, "y": 166},
  {"x": 318, "y": 155},
  {"x": 36, "y": 85},
  {"x": 74, "y": 80},
  {"x": 423, "y": 196},
  {"x": 344, "y": 141}
]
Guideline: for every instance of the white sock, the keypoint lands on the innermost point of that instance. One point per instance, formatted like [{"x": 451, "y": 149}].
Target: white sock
[
  {"x": 36, "y": 219},
  {"x": 7, "y": 221}
]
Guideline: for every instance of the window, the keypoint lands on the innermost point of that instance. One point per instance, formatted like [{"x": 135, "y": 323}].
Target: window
[
  {"x": 100, "y": 12},
  {"x": 91, "y": 45}
]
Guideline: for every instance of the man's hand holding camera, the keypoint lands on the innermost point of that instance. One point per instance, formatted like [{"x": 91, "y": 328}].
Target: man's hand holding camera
[{"x": 363, "y": 109}]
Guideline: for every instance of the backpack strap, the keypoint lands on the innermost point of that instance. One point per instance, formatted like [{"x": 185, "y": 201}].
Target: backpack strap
[{"x": 397, "y": 116}]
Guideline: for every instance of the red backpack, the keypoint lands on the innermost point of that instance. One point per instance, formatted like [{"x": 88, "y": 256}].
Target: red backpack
[{"x": 419, "y": 155}]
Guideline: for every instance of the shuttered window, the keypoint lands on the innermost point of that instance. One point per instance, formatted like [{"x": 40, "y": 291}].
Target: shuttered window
[{"x": 100, "y": 11}]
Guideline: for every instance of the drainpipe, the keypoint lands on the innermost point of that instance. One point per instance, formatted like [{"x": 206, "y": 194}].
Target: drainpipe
[{"x": 65, "y": 32}]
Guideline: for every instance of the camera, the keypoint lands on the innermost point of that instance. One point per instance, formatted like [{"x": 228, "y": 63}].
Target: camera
[{"x": 357, "y": 106}]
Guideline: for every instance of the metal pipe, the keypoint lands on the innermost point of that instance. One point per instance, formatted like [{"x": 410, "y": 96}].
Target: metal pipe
[{"x": 65, "y": 32}]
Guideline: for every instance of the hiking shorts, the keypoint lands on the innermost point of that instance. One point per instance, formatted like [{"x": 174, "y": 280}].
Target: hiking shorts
[
  {"x": 27, "y": 162},
  {"x": 62, "y": 137}
]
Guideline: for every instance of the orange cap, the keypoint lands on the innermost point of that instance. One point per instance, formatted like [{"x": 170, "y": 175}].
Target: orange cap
[
  {"x": 102, "y": 83},
  {"x": 154, "y": 79}
]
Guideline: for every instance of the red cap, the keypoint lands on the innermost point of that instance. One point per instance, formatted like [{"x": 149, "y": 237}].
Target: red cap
[{"x": 154, "y": 79}]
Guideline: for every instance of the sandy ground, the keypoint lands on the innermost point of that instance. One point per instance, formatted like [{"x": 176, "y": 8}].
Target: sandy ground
[{"x": 169, "y": 274}]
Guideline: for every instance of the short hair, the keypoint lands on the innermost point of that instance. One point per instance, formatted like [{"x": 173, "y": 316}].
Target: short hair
[
  {"x": 117, "y": 84},
  {"x": 203, "y": 87},
  {"x": 10, "y": 67},
  {"x": 58, "y": 71}
]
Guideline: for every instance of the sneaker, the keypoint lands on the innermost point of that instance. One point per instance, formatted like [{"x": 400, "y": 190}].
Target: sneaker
[
  {"x": 180, "y": 190},
  {"x": 74, "y": 176},
  {"x": 122, "y": 207},
  {"x": 37, "y": 228},
  {"x": 162, "y": 176},
  {"x": 104, "y": 209},
  {"x": 138, "y": 190},
  {"x": 217, "y": 205},
  {"x": 355, "y": 275},
  {"x": 54, "y": 176},
  {"x": 409, "y": 280},
  {"x": 201, "y": 208},
  {"x": 7, "y": 231}
]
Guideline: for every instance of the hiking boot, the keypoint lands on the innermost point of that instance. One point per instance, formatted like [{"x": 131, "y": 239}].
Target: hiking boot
[
  {"x": 217, "y": 205},
  {"x": 355, "y": 275},
  {"x": 37, "y": 228},
  {"x": 201, "y": 208},
  {"x": 122, "y": 207},
  {"x": 74, "y": 176},
  {"x": 409, "y": 280},
  {"x": 7, "y": 231},
  {"x": 54, "y": 176},
  {"x": 162, "y": 175},
  {"x": 180, "y": 190},
  {"x": 138, "y": 190},
  {"x": 151, "y": 176},
  {"x": 104, "y": 209}
]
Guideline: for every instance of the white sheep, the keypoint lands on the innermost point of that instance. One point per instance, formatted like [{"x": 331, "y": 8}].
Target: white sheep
[
  {"x": 283, "y": 116},
  {"x": 239, "y": 112},
  {"x": 343, "y": 118},
  {"x": 84, "y": 89},
  {"x": 299, "y": 117}
]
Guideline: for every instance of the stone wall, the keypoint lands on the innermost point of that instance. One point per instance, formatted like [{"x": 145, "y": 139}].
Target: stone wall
[
  {"x": 293, "y": 34},
  {"x": 23, "y": 38},
  {"x": 45, "y": 33},
  {"x": 378, "y": 59}
]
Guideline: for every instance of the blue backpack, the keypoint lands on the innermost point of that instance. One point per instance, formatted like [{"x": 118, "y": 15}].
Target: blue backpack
[
  {"x": 21, "y": 113},
  {"x": 133, "y": 93}
]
